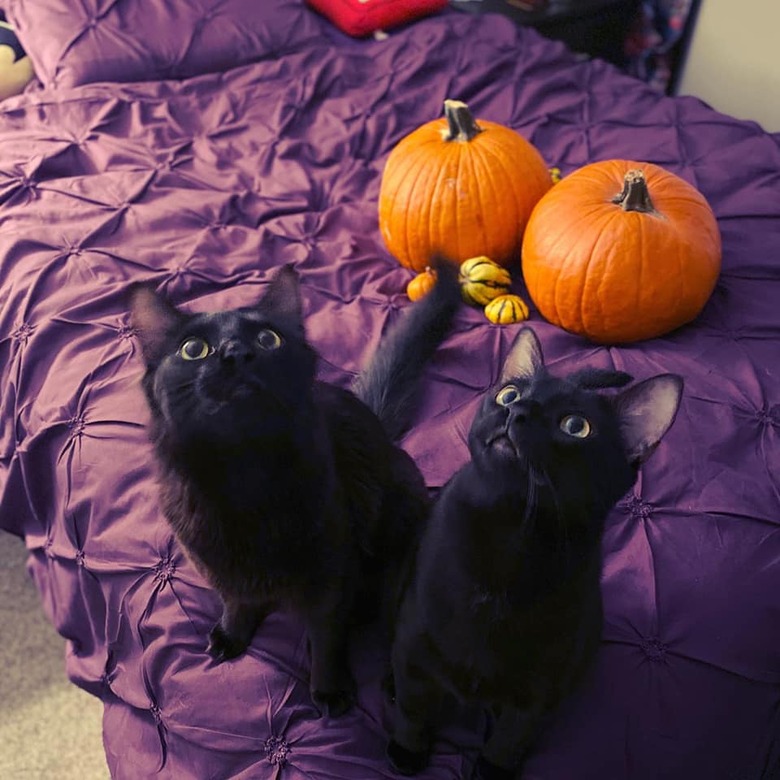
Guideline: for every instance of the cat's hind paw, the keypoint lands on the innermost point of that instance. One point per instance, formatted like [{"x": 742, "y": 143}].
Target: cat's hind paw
[
  {"x": 223, "y": 647},
  {"x": 406, "y": 762},
  {"x": 333, "y": 704}
]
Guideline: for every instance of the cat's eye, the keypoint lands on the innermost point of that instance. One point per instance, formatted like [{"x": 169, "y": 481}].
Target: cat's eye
[
  {"x": 576, "y": 426},
  {"x": 195, "y": 349},
  {"x": 269, "y": 339},
  {"x": 507, "y": 396}
]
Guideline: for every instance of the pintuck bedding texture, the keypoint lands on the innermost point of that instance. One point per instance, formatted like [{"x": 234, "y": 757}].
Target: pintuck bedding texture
[{"x": 200, "y": 146}]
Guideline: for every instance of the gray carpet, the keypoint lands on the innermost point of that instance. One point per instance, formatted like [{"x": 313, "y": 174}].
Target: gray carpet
[{"x": 49, "y": 728}]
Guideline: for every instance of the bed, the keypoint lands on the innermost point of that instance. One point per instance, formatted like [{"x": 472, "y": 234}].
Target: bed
[{"x": 199, "y": 146}]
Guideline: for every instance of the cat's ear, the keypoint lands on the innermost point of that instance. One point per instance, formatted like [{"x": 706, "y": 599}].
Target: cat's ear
[
  {"x": 282, "y": 297},
  {"x": 525, "y": 357},
  {"x": 646, "y": 412},
  {"x": 154, "y": 319}
]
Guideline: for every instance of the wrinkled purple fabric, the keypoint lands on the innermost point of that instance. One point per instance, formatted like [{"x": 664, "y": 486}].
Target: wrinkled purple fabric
[
  {"x": 206, "y": 184},
  {"x": 72, "y": 43}
]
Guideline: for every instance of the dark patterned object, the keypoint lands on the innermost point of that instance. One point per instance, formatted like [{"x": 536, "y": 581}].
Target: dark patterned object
[
  {"x": 597, "y": 28},
  {"x": 203, "y": 186},
  {"x": 8, "y": 38},
  {"x": 656, "y": 45}
]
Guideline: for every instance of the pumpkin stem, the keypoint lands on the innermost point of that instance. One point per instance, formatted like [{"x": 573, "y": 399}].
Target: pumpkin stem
[
  {"x": 461, "y": 124},
  {"x": 635, "y": 196}
]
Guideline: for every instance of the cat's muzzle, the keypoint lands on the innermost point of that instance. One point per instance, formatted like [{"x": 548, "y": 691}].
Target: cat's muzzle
[{"x": 501, "y": 444}]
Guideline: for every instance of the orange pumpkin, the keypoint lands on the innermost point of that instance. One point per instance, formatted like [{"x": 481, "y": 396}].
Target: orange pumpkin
[
  {"x": 620, "y": 251},
  {"x": 421, "y": 284},
  {"x": 461, "y": 188}
]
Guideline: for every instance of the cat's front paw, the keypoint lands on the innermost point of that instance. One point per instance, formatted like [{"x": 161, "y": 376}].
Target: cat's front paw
[
  {"x": 333, "y": 704},
  {"x": 406, "y": 762},
  {"x": 486, "y": 770},
  {"x": 223, "y": 646}
]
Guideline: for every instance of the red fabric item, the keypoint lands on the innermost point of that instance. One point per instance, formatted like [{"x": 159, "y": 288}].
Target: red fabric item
[{"x": 362, "y": 17}]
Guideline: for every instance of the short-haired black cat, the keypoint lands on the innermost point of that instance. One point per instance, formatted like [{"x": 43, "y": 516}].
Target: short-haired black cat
[
  {"x": 284, "y": 490},
  {"x": 504, "y": 605}
]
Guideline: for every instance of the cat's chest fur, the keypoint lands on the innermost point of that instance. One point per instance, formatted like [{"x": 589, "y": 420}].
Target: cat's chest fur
[
  {"x": 272, "y": 522},
  {"x": 258, "y": 535},
  {"x": 498, "y": 601}
]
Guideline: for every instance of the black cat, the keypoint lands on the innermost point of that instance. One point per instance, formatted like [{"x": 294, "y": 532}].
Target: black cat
[
  {"x": 284, "y": 490},
  {"x": 504, "y": 606}
]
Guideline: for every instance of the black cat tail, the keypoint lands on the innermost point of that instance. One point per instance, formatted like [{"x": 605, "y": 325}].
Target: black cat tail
[{"x": 387, "y": 385}]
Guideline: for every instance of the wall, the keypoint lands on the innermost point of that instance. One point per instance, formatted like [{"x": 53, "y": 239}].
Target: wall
[{"x": 733, "y": 62}]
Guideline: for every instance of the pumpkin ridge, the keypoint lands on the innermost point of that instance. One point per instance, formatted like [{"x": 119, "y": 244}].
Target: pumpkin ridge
[
  {"x": 592, "y": 265},
  {"x": 671, "y": 254},
  {"x": 639, "y": 288},
  {"x": 683, "y": 254},
  {"x": 591, "y": 260},
  {"x": 464, "y": 174},
  {"x": 632, "y": 245},
  {"x": 399, "y": 180},
  {"x": 699, "y": 208},
  {"x": 457, "y": 216},
  {"x": 435, "y": 238},
  {"x": 403, "y": 218},
  {"x": 423, "y": 171},
  {"x": 681, "y": 275},
  {"x": 407, "y": 161},
  {"x": 629, "y": 243},
  {"x": 483, "y": 197},
  {"x": 496, "y": 153},
  {"x": 568, "y": 259},
  {"x": 484, "y": 174},
  {"x": 489, "y": 151}
]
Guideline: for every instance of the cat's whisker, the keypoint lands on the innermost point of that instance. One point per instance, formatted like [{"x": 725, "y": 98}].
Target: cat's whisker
[
  {"x": 560, "y": 517},
  {"x": 531, "y": 501}
]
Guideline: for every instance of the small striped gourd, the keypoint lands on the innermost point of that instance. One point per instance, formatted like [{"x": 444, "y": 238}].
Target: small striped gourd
[
  {"x": 481, "y": 280},
  {"x": 506, "y": 310}
]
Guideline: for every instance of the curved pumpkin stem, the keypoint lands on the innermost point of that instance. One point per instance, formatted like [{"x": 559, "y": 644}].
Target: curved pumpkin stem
[
  {"x": 461, "y": 125},
  {"x": 635, "y": 195}
]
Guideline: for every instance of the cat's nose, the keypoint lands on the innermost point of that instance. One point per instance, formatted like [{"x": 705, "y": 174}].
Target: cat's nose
[
  {"x": 522, "y": 411},
  {"x": 234, "y": 352}
]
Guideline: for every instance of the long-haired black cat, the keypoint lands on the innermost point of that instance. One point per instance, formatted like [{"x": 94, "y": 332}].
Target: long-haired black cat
[
  {"x": 284, "y": 490},
  {"x": 504, "y": 605}
]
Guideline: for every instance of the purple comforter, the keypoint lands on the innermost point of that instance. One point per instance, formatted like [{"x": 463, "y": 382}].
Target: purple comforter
[{"x": 204, "y": 184}]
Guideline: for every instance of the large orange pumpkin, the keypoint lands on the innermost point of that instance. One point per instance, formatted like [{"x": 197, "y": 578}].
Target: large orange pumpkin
[
  {"x": 620, "y": 251},
  {"x": 460, "y": 188}
]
